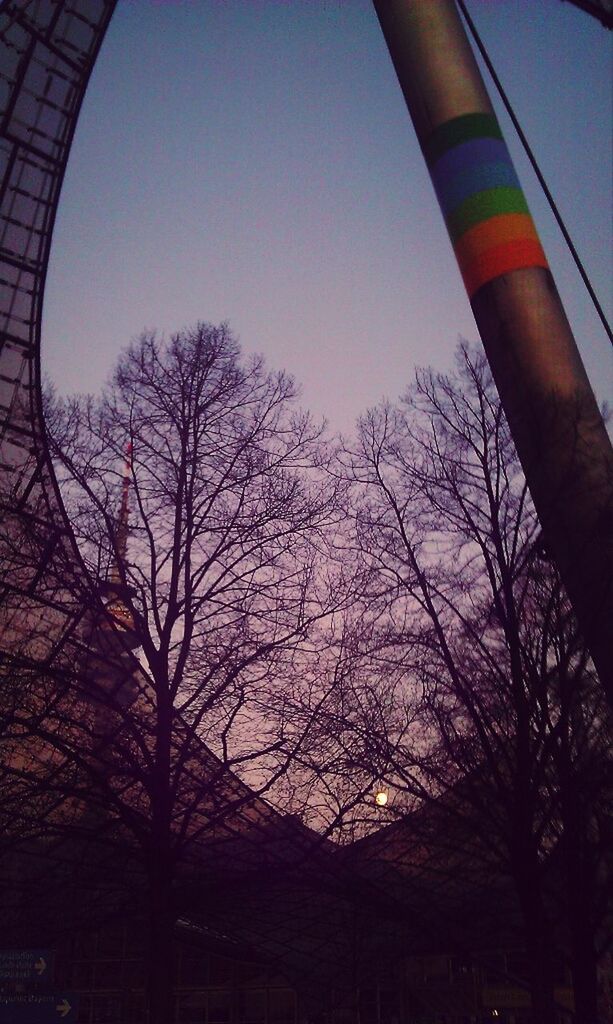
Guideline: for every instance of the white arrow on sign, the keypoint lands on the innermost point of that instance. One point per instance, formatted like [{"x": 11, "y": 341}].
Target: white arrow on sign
[
  {"x": 64, "y": 1008},
  {"x": 40, "y": 965}
]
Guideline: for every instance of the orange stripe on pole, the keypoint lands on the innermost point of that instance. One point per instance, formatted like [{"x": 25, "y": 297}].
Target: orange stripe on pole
[{"x": 508, "y": 227}]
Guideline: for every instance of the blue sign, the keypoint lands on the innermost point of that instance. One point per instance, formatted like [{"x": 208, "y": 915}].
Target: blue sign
[
  {"x": 39, "y": 1008},
  {"x": 26, "y": 964}
]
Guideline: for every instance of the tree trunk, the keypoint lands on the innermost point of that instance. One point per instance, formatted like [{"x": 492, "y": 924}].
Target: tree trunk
[
  {"x": 585, "y": 983},
  {"x": 159, "y": 966},
  {"x": 538, "y": 942},
  {"x": 583, "y": 953},
  {"x": 160, "y": 960},
  {"x": 539, "y": 958},
  {"x": 581, "y": 874}
]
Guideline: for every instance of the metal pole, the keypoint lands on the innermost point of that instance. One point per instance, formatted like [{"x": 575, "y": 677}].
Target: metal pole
[{"x": 554, "y": 418}]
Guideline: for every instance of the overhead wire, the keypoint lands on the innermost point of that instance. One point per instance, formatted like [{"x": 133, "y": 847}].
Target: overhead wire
[{"x": 530, "y": 154}]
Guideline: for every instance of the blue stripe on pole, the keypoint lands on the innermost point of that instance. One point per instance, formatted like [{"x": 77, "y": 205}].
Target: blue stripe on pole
[
  {"x": 469, "y": 154},
  {"x": 456, "y": 188}
]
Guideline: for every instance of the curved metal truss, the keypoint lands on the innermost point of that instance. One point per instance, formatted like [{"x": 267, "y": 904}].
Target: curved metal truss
[{"x": 47, "y": 51}]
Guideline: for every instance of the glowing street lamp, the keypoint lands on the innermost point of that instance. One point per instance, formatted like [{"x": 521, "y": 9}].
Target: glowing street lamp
[{"x": 380, "y": 796}]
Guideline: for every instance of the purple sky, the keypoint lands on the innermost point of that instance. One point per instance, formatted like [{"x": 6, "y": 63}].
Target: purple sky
[{"x": 253, "y": 161}]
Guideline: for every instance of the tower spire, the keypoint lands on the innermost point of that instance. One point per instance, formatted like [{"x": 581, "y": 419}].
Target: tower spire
[
  {"x": 122, "y": 527},
  {"x": 115, "y": 585}
]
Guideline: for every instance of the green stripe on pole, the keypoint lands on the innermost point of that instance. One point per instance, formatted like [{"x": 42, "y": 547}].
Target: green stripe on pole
[
  {"x": 482, "y": 206},
  {"x": 458, "y": 130}
]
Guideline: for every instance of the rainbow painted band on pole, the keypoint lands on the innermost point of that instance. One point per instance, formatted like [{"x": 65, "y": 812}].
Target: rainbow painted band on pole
[{"x": 482, "y": 201}]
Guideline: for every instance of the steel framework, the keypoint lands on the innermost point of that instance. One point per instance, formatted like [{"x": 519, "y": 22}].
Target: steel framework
[{"x": 47, "y": 51}]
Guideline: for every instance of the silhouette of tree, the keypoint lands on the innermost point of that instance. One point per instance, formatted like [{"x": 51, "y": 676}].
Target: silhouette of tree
[
  {"x": 485, "y": 689},
  {"x": 209, "y": 612}
]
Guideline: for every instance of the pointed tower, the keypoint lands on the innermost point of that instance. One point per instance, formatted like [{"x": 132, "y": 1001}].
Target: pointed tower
[
  {"x": 113, "y": 635},
  {"x": 115, "y": 590}
]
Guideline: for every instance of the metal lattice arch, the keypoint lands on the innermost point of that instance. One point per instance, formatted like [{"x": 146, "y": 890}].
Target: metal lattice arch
[{"x": 47, "y": 52}]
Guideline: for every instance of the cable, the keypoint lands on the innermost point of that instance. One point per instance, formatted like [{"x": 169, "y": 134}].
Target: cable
[{"x": 536, "y": 168}]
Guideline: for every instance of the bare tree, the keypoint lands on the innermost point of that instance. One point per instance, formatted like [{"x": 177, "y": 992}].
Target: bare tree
[
  {"x": 484, "y": 680},
  {"x": 209, "y": 615}
]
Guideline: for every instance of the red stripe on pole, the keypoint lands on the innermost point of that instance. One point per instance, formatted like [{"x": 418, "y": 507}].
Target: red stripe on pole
[{"x": 480, "y": 267}]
